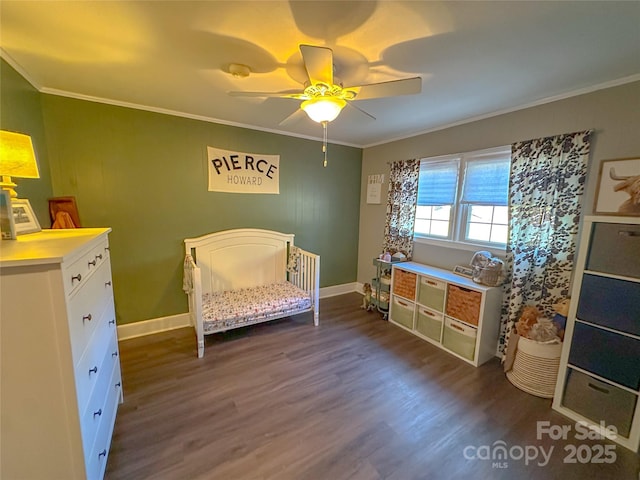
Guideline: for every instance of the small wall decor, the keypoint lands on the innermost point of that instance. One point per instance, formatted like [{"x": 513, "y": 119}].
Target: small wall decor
[
  {"x": 619, "y": 187},
  {"x": 7, "y": 227},
  {"x": 374, "y": 188},
  {"x": 24, "y": 217}
]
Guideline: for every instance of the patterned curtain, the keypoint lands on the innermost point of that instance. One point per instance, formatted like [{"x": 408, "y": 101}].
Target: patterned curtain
[
  {"x": 545, "y": 192},
  {"x": 401, "y": 207}
]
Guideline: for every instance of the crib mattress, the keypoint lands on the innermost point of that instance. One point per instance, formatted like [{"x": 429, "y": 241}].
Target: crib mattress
[{"x": 232, "y": 309}]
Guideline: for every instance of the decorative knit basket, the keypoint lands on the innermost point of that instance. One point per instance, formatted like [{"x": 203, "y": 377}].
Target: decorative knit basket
[{"x": 535, "y": 367}]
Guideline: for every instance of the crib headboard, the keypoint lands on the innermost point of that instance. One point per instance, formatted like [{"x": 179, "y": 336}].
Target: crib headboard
[{"x": 240, "y": 258}]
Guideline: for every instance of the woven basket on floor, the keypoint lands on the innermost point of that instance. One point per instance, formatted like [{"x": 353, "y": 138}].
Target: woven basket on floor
[{"x": 535, "y": 367}]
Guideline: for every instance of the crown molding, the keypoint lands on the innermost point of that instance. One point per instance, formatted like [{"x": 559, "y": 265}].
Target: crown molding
[
  {"x": 18, "y": 68},
  {"x": 543, "y": 101}
]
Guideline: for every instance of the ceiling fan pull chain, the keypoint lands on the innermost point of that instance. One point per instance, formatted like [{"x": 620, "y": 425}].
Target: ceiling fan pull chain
[{"x": 324, "y": 143}]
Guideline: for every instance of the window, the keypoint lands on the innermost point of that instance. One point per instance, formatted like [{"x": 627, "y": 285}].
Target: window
[{"x": 464, "y": 198}]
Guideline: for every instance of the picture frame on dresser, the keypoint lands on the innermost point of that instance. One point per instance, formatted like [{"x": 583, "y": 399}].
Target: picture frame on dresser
[
  {"x": 618, "y": 187},
  {"x": 7, "y": 227},
  {"x": 24, "y": 217}
]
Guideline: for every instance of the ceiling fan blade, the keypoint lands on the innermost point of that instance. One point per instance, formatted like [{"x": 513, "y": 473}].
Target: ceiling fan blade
[
  {"x": 319, "y": 63},
  {"x": 394, "y": 88},
  {"x": 293, "y": 118},
  {"x": 284, "y": 94},
  {"x": 353, "y": 105}
]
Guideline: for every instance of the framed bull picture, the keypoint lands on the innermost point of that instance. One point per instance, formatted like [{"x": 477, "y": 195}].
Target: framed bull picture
[{"x": 619, "y": 187}]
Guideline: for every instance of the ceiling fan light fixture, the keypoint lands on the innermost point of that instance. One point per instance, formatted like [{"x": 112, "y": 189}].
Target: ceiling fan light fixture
[{"x": 323, "y": 109}]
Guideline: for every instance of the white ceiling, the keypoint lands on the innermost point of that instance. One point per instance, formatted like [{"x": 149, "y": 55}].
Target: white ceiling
[{"x": 476, "y": 59}]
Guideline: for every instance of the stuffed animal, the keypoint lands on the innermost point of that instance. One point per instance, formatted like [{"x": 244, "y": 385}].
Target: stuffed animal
[
  {"x": 366, "y": 299},
  {"x": 544, "y": 331},
  {"x": 528, "y": 319}
]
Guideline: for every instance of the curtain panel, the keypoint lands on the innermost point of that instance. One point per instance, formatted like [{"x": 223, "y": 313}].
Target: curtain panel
[
  {"x": 401, "y": 207},
  {"x": 545, "y": 194}
]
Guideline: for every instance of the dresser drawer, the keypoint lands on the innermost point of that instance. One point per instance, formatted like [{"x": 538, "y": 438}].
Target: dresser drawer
[
  {"x": 615, "y": 248},
  {"x": 610, "y": 302},
  {"x": 86, "y": 308},
  {"x": 96, "y": 461},
  {"x": 607, "y": 354},
  {"x": 99, "y": 405},
  {"x": 78, "y": 271},
  {"x": 90, "y": 367},
  {"x": 599, "y": 401}
]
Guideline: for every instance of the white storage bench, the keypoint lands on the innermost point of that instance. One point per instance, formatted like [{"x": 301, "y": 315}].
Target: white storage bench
[{"x": 447, "y": 310}]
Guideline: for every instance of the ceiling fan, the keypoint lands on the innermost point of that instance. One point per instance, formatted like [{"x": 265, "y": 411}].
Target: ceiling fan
[{"x": 323, "y": 100}]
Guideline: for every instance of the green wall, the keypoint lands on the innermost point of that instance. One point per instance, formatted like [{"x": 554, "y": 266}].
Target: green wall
[
  {"x": 20, "y": 111},
  {"x": 144, "y": 175}
]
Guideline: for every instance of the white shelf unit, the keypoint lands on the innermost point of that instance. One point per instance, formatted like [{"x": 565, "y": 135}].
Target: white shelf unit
[
  {"x": 599, "y": 376},
  {"x": 447, "y": 310}
]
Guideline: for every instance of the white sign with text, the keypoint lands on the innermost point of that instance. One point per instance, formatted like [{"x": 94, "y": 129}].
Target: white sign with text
[{"x": 239, "y": 172}]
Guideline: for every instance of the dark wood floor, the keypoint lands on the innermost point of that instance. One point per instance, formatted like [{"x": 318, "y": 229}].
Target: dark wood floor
[{"x": 355, "y": 398}]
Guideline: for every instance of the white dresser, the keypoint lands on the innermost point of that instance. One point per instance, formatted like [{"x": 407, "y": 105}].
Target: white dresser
[{"x": 60, "y": 368}]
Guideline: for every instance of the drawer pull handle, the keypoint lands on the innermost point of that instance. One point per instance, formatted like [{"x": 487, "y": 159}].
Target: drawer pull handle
[
  {"x": 117, "y": 384},
  {"x": 429, "y": 282},
  {"x": 99, "y": 256},
  {"x": 92, "y": 263},
  {"x": 77, "y": 277},
  {"x": 93, "y": 370},
  {"x": 98, "y": 413},
  {"x": 598, "y": 388},
  {"x": 103, "y": 453},
  {"x": 86, "y": 317},
  {"x": 112, "y": 322},
  {"x": 628, "y": 233},
  {"x": 107, "y": 249},
  {"x": 114, "y": 354},
  {"x": 107, "y": 284}
]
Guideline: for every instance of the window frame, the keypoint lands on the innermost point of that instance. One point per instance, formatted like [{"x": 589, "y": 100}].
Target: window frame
[{"x": 461, "y": 212}]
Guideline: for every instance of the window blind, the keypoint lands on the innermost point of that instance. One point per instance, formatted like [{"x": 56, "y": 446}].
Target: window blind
[
  {"x": 486, "y": 182},
  {"x": 438, "y": 182}
]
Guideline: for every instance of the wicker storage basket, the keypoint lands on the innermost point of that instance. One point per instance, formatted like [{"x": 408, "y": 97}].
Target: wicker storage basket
[
  {"x": 463, "y": 304},
  {"x": 535, "y": 367},
  {"x": 404, "y": 283}
]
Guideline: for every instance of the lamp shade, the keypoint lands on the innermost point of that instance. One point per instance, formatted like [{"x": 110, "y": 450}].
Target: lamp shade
[
  {"x": 17, "y": 157},
  {"x": 323, "y": 109}
]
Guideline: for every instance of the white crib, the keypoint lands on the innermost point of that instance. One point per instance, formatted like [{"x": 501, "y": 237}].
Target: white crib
[{"x": 241, "y": 277}]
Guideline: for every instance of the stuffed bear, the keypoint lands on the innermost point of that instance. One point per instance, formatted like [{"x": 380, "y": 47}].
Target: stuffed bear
[{"x": 528, "y": 319}]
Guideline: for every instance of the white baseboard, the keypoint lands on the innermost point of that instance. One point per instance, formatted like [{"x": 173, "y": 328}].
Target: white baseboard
[
  {"x": 154, "y": 325},
  {"x": 161, "y": 324},
  {"x": 334, "y": 290}
]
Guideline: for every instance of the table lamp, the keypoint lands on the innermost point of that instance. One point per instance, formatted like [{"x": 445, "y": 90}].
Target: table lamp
[{"x": 17, "y": 159}]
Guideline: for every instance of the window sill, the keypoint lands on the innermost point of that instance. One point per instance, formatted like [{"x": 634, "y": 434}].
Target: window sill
[{"x": 472, "y": 247}]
